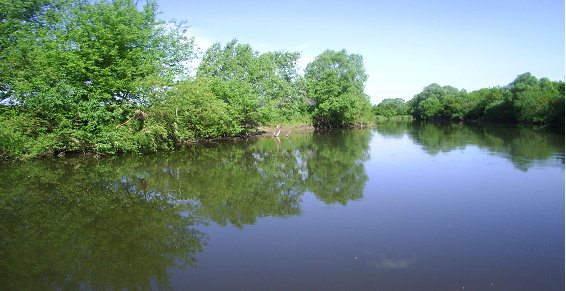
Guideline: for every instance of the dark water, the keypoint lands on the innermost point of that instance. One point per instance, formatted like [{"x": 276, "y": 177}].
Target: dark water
[{"x": 403, "y": 206}]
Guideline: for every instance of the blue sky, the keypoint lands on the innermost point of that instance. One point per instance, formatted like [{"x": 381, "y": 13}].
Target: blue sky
[{"x": 406, "y": 45}]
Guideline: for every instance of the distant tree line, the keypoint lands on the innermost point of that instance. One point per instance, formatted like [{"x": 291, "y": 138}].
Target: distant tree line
[
  {"x": 391, "y": 108},
  {"x": 526, "y": 99},
  {"x": 107, "y": 76}
]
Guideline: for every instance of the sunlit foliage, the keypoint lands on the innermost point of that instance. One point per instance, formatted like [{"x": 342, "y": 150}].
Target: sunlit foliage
[
  {"x": 526, "y": 99},
  {"x": 336, "y": 82},
  {"x": 108, "y": 77}
]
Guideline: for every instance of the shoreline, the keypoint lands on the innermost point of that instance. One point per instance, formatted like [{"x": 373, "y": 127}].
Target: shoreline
[{"x": 284, "y": 130}]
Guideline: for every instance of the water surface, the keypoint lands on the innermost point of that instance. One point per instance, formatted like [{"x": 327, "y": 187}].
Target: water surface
[{"x": 402, "y": 206}]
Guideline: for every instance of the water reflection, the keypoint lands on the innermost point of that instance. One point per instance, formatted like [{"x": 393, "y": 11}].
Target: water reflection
[
  {"x": 121, "y": 223},
  {"x": 335, "y": 170},
  {"x": 79, "y": 224},
  {"x": 124, "y": 222},
  {"x": 525, "y": 146}
]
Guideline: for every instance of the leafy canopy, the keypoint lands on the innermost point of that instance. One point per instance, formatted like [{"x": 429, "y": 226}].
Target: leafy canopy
[
  {"x": 271, "y": 81},
  {"x": 335, "y": 81}
]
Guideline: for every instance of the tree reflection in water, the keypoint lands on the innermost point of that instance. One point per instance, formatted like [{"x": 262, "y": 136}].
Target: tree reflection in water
[{"x": 122, "y": 222}]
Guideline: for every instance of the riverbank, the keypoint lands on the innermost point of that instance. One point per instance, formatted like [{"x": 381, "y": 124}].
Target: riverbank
[{"x": 284, "y": 130}]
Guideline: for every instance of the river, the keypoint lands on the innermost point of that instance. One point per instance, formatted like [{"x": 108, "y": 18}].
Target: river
[{"x": 405, "y": 205}]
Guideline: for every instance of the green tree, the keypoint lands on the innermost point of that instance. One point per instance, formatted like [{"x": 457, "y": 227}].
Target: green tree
[
  {"x": 556, "y": 114},
  {"x": 273, "y": 83},
  {"x": 193, "y": 110},
  {"x": 94, "y": 56},
  {"x": 535, "y": 100},
  {"x": 335, "y": 82},
  {"x": 285, "y": 86},
  {"x": 526, "y": 99},
  {"x": 436, "y": 101},
  {"x": 77, "y": 69},
  {"x": 391, "y": 107},
  {"x": 20, "y": 20},
  {"x": 234, "y": 61},
  {"x": 474, "y": 105},
  {"x": 496, "y": 106}
]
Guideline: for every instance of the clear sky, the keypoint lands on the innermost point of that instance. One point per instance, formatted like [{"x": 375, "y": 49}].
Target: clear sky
[{"x": 406, "y": 44}]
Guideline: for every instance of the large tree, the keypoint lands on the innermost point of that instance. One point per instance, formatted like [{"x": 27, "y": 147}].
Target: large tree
[
  {"x": 21, "y": 22},
  {"x": 537, "y": 101},
  {"x": 80, "y": 61},
  {"x": 268, "y": 85},
  {"x": 437, "y": 101},
  {"x": 335, "y": 82},
  {"x": 72, "y": 70}
]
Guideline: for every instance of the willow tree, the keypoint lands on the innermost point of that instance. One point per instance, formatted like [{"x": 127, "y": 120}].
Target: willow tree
[
  {"x": 265, "y": 86},
  {"x": 71, "y": 70},
  {"x": 87, "y": 58},
  {"x": 335, "y": 81}
]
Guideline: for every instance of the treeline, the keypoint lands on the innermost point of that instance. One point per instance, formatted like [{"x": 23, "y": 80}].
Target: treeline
[
  {"x": 526, "y": 99},
  {"x": 108, "y": 76}
]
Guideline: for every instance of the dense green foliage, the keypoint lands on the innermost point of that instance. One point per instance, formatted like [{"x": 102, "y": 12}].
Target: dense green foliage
[
  {"x": 335, "y": 82},
  {"x": 390, "y": 107},
  {"x": 108, "y": 76},
  {"x": 526, "y": 99},
  {"x": 268, "y": 85},
  {"x": 71, "y": 71}
]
